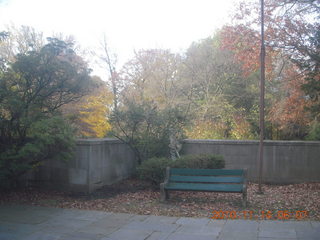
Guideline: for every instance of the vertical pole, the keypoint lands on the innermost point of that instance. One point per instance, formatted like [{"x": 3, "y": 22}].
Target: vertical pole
[{"x": 262, "y": 89}]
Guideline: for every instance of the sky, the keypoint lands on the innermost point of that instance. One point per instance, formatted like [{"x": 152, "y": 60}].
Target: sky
[{"x": 128, "y": 25}]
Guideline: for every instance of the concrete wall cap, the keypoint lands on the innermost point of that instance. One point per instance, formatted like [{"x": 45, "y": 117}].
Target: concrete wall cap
[
  {"x": 97, "y": 141},
  {"x": 250, "y": 142}
]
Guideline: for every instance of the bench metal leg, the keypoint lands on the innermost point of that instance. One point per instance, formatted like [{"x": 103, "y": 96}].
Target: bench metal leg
[
  {"x": 244, "y": 196},
  {"x": 164, "y": 194},
  {"x": 244, "y": 199}
]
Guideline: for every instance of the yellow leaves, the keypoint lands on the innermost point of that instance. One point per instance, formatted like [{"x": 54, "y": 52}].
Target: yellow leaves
[
  {"x": 237, "y": 128},
  {"x": 207, "y": 130},
  {"x": 241, "y": 129},
  {"x": 94, "y": 114},
  {"x": 90, "y": 114}
]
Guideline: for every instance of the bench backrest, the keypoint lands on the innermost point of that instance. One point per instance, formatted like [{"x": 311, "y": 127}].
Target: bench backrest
[{"x": 206, "y": 175}]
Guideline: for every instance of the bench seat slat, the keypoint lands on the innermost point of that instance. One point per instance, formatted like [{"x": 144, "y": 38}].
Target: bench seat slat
[
  {"x": 205, "y": 179},
  {"x": 206, "y": 172},
  {"x": 205, "y": 187}
]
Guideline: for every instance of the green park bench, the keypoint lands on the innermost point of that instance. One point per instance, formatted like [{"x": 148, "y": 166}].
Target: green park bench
[{"x": 205, "y": 180}]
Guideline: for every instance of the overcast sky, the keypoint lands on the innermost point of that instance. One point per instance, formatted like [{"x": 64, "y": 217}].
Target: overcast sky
[{"x": 128, "y": 24}]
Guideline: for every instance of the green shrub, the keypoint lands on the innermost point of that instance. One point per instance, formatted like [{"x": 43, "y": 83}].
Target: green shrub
[
  {"x": 205, "y": 161},
  {"x": 50, "y": 138},
  {"x": 153, "y": 169}
]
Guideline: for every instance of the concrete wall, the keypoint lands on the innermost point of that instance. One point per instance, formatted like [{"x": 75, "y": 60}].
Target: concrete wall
[
  {"x": 97, "y": 162},
  {"x": 100, "y": 162},
  {"x": 284, "y": 161}
]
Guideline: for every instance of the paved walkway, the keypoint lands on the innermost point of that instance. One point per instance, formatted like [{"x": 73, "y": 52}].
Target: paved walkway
[{"x": 41, "y": 223}]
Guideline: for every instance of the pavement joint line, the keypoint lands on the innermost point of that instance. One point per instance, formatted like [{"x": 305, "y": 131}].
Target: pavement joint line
[
  {"x": 176, "y": 230},
  {"x": 146, "y": 238}
]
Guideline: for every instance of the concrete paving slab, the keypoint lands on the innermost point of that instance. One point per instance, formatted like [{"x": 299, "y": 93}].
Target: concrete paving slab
[
  {"x": 27, "y": 214},
  {"x": 11, "y": 236},
  {"x": 242, "y": 237},
  {"x": 122, "y": 215},
  {"x": 239, "y": 229},
  {"x": 18, "y": 208},
  {"x": 43, "y": 236},
  {"x": 22, "y": 217},
  {"x": 129, "y": 234},
  {"x": 18, "y": 228},
  {"x": 139, "y": 217},
  {"x": 273, "y": 225},
  {"x": 238, "y": 234},
  {"x": 315, "y": 224},
  {"x": 105, "y": 231},
  {"x": 63, "y": 224},
  {"x": 203, "y": 230},
  {"x": 151, "y": 226},
  {"x": 311, "y": 234},
  {"x": 81, "y": 236},
  {"x": 216, "y": 223},
  {"x": 158, "y": 236},
  {"x": 277, "y": 238},
  {"x": 193, "y": 221},
  {"x": 81, "y": 214},
  {"x": 241, "y": 225},
  {"x": 297, "y": 225},
  {"x": 187, "y": 236},
  {"x": 163, "y": 219},
  {"x": 111, "y": 221},
  {"x": 277, "y": 233}
]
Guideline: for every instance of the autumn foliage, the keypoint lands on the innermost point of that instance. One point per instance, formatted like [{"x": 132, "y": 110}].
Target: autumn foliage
[
  {"x": 289, "y": 112},
  {"x": 244, "y": 42},
  {"x": 291, "y": 59},
  {"x": 90, "y": 114}
]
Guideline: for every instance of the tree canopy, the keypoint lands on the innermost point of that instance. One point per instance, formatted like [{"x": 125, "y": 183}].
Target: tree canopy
[{"x": 34, "y": 85}]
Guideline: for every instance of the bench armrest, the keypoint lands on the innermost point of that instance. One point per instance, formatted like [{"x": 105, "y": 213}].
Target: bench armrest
[
  {"x": 164, "y": 195},
  {"x": 166, "y": 179}
]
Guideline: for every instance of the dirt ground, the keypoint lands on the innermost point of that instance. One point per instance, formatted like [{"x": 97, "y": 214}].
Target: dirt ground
[{"x": 285, "y": 202}]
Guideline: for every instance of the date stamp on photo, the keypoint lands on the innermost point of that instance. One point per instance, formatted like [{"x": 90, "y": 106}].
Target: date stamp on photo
[{"x": 260, "y": 215}]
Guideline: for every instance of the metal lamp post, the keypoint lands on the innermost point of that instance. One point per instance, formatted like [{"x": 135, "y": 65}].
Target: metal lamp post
[{"x": 262, "y": 89}]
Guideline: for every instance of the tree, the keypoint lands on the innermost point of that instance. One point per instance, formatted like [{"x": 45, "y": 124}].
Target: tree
[
  {"x": 20, "y": 40},
  {"x": 295, "y": 30},
  {"x": 110, "y": 61},
  {"x": 147, "y": 128},
  {"x": 90, "y": 115},
  {"x": 312, "y": 80},
  {"x": 95, "y": 115},
  {"x": 32, "y": 90},
  {"x": 151, "y": 108},
  {"x": 153, "y": 75},
  {"x": 288, "y": 113},
  {"x": 221, "y": 94},
  {"x": 292, "y": 58}
]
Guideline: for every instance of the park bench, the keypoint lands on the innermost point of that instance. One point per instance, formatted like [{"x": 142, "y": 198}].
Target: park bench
[{"x": 206, "y": 180}]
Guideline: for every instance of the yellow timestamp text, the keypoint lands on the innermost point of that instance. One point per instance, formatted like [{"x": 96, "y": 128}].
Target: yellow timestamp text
[{"x": 260, "y": 215}]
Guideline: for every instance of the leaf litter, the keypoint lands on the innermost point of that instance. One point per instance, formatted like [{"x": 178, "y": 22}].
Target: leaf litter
[{"x": 138, "y": 197}]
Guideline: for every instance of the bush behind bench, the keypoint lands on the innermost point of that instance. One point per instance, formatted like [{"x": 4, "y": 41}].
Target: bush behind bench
[{"x": 153, "y": 169}]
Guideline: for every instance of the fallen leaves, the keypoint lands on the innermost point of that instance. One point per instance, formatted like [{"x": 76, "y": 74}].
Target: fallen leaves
[{"x": 137, "y": 197}]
